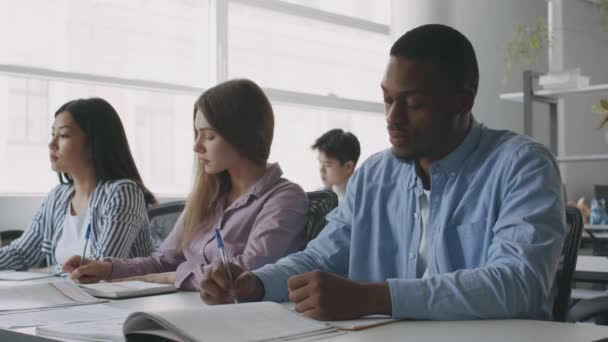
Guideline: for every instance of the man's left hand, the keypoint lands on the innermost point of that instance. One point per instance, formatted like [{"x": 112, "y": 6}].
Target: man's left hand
[{"x": 328, "y": 297}]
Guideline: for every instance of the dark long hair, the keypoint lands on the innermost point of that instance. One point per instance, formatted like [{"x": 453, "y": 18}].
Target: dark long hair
[
  {"x": 240, "y": 112},
  {"x": 105, "y": 136}
]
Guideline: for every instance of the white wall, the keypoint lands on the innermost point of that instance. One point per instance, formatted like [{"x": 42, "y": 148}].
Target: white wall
[
  {"x": 489, "y": 25},
  {"x": 585, "y": 46}
]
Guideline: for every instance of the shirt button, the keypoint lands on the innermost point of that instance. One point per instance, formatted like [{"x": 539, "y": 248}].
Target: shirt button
[{"x": 412, "y": 255}]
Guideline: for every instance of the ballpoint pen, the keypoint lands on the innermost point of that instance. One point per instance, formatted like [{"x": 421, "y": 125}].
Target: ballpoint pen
[
  {"x": 86, "y": 242},
  {"x": 220, "y": 247}
]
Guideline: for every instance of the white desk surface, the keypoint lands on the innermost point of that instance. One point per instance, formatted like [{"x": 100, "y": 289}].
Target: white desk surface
[
  {"x": 418, "y": 331},
  {"x": 587, "y": 263}
]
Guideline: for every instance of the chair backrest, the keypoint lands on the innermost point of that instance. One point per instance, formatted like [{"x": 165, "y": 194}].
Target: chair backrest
[
  {"x": 163, "y": 218},
  {"x": 321, "y": 203},
  {"x": 565, "y": 272},
  {"x": 7, "y": 236}
]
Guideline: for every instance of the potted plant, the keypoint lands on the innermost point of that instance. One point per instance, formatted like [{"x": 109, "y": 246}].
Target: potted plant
[
  {"x": 526, "y": 45},
  {"x": 602, "y": 8},
  {"x": 602, "y": 109}
]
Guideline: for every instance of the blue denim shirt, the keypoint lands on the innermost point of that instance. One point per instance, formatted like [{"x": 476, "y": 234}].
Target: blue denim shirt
[{"x": 495, "y": 232}]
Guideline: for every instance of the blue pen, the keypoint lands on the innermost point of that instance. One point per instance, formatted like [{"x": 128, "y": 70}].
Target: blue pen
[
  {"x": 86, "y": 242},
  {"x": 220, "y": 246}
]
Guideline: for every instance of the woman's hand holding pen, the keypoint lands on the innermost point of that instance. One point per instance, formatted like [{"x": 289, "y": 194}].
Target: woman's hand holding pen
[
  {"x": 216, "y": 287},
  {"x": 91, "y": 271}
]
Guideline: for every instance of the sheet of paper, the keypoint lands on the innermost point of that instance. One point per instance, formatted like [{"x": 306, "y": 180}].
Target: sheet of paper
[
  {"x": 362, "y": 323},
  {"x": 41, "y": 295},
  {"x": 22, "y": 275},
  {"x": 86, "y": 313},
  {"x": 107, "y": 330}
]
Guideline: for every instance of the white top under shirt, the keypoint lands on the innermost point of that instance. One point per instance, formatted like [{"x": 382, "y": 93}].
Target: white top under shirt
[
  {"x": 72, "y": 239},
  {"x": 425, "y": 209}
]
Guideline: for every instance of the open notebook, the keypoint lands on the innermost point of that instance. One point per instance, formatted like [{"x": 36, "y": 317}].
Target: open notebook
[
  {"x": 126, "y": 289},
  {"x": 262, "y": 321},
  {"x": 43, "y": 295}
]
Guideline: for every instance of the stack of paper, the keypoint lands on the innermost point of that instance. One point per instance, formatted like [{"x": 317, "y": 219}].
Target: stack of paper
[
  {"x": 23, "y": 275},
  {"x": 86, "y": 313},
  {"x": 43, "y": 295}
]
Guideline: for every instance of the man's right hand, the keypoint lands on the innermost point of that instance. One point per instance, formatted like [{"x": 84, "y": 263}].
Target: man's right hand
[
  {"x": 91, "y": 271},
  {"x": 216, "y": 287}
]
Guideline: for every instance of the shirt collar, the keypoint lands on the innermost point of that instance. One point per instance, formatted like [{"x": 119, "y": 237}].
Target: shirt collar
[
  {"x": 452, "y": 163},
  {"x": 269, "y": 179}
]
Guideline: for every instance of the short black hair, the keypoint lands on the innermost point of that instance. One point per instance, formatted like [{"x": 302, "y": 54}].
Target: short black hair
[
  {"x": 443, "y": 46},
  {"x": 338, "y": 144}
]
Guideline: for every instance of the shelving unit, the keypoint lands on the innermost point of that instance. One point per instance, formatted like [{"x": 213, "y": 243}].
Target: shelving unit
[
  {"x": 519, "y": 97},
  {"x": 551, "y": 97}
]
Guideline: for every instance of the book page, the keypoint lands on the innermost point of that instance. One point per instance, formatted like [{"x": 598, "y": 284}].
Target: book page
[
  {"x": 233, "y": 322},
  {"x": 43, "y": 295}
]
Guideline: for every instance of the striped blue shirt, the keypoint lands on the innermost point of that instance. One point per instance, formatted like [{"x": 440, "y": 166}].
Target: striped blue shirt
[
  {"x": 495, "y": 232},
  {"x": 119, "y": 226}
]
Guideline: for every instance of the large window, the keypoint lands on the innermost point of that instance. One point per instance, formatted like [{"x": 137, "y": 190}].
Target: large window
[{"x": 320, "y": 64}]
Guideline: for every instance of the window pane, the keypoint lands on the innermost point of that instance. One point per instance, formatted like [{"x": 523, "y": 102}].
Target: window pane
[
  {"x": 378, "y": 11},
  {"x": 287, "y": 52},
  {"x": 159, "y": 40},
  {"x": 297, "y": 128},
  {"x": 158, "y": 127}
]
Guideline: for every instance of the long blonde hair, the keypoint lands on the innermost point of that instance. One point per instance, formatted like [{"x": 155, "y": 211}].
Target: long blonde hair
[{"x": 239, "y": 111}]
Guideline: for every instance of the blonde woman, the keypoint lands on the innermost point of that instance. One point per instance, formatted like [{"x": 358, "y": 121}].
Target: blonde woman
[{"x": 260, "y": 214}]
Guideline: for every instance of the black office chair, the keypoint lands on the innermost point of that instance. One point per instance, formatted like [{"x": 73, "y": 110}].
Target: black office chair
[
  {"x": 7, "y": 236},
  {"x": 321, "y": 203},
  {"x": 567, "y": 265},
  {"x": 162, "y": 219}
]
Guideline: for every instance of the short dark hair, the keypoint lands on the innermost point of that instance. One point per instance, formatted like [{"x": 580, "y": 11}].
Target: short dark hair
[
  {"x": 105, "y": 135},
  {"x": 338, "y": 144},
  {"x": 443, "y": 46},
  {"x": 241, "y": 113}
]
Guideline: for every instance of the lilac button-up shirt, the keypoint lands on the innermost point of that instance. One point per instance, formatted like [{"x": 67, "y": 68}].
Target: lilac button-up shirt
[{"x": 261, "y": 226}]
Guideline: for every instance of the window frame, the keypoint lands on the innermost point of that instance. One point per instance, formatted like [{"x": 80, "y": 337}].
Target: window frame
[{"x": 218, "y": 26}]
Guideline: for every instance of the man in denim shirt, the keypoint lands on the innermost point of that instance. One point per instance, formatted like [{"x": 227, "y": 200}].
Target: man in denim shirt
[{"x": 456, "y": 221}]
